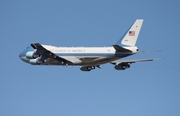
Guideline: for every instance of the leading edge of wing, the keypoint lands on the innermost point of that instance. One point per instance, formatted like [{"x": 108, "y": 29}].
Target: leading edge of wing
[
  {"x": 134, "y": 61},
  {"x": 48, "y": 54}
]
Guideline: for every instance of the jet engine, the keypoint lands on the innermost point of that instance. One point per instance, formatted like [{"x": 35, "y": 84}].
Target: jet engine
[
  {"x": 36, "y": 61},
  {"x": 32, "y": 55},
  {"x": 87, "y": 68},
  {"x": 122, "y": 66}
]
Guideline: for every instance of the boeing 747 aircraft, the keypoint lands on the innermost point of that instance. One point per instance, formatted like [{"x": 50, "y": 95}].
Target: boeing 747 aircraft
[{"x": 87, "y": 57}]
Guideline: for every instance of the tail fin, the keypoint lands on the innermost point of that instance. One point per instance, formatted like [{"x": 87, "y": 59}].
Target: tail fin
[{"x": 131, "y": 35}]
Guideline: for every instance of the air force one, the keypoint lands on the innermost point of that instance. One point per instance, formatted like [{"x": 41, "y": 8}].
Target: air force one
[{"x": 88, "y": 58}]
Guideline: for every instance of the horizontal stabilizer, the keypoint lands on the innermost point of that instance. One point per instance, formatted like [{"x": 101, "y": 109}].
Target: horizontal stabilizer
[
  {"x": 134, "y": 61},
  {"x": 145, "y": 51}
]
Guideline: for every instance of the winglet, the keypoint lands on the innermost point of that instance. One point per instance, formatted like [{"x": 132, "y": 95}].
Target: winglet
[
  {"x": 36, "y": 45},
  {"x": 130, "y": 37}
]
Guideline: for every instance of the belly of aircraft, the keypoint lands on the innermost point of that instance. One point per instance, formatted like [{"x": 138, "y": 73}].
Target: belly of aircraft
[{"x": 86, "y": 61}]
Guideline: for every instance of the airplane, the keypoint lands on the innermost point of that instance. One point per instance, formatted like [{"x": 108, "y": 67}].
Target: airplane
[{"x": 88, "y": 58}]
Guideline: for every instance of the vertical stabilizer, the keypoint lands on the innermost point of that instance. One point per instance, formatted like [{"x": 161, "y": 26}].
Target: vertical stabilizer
[{"x": 131, "y": 36}]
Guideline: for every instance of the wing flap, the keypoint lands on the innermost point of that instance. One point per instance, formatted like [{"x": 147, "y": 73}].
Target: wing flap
[{"x": 74, "y": 60}]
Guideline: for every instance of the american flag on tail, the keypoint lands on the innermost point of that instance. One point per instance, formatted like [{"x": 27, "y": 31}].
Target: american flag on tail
[{"x": 131, "y": 33}]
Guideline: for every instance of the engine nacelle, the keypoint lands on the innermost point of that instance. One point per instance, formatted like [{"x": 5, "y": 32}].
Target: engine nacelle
[
  {"x": 122, "y": 66},
  {"x": 87, "y": 68},
  {"x": 33, "y": 61},
  {"x": 36, "y": 61},
  {"x": 32, "y": 55}
]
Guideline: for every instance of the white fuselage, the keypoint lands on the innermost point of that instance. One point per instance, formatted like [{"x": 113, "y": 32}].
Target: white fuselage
[
  {"x": 78, "y": 56},
  {"x": 89, "y": 55}
]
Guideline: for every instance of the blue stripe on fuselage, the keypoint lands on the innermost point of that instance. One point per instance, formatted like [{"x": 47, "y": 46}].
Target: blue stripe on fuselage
[{"x": 93, "y": 54}]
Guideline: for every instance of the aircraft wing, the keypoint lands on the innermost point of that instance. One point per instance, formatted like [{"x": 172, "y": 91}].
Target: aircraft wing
[
  {"x": 48, "y": 54},
  {"x": 133, "y": 61},
  {"x": 72, "y": 59}
]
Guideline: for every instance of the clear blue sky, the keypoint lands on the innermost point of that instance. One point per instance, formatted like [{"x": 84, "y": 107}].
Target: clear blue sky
[{"x": 146, "y": 89}]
